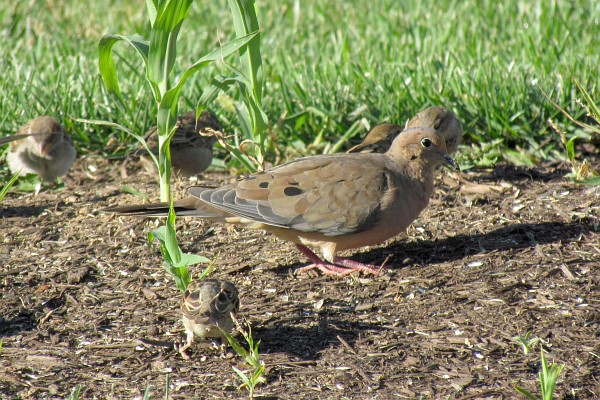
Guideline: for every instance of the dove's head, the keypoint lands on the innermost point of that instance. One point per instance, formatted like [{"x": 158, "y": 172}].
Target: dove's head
[
  {"x": 47, "y": 135},
  {"x": 443, "y": 121},
  {"x": 421, "y": 147}
]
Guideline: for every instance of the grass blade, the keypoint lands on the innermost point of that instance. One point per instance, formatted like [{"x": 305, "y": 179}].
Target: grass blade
[{"x": 7, "y": 186}]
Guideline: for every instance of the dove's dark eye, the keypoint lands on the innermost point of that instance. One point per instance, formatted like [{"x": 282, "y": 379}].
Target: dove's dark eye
[{"x": 426, "y": 142}]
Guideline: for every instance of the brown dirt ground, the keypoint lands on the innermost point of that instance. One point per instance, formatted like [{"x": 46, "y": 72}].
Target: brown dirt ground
[{"x": 84, "y": 300}]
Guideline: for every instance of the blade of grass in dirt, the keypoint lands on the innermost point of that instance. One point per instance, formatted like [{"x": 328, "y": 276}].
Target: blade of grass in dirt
[
  {"x": 569, "y": 116},
  {"x": 75, "y": 393},
  {"x": 168, "y": 386},
  {"x": 131, "y": 190},
  {"x": 147, "y": 393},
  {"x": 593, "y": 108},
  {"x": 7, "y": 186}
]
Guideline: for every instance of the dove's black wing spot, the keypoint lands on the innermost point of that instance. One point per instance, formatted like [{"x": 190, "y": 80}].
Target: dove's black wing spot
[{"x": 292, "y": 191}]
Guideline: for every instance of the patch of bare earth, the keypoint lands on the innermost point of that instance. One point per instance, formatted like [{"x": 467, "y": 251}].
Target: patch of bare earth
[{"x": 85, "y": 301}]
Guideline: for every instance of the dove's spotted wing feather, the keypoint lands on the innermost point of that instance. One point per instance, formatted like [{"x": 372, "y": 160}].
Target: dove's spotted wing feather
[{"x": 308, "y": 195}]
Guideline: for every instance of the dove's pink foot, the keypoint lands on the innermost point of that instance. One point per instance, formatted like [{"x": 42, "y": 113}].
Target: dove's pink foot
[{"x": 342, "y": 266}]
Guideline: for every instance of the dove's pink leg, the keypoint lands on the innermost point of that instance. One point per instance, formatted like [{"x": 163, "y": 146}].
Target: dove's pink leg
[
  {"x": 358, "y": 266},
  {"x": 346, "y": 266}
]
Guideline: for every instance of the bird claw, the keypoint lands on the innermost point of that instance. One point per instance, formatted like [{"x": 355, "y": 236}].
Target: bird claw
[
  {"x": 327, "y": 269},
  {"x": 181, "y": 347},
  {"x": 340, "y": 266},
  {"x": 344, "y": 268}
]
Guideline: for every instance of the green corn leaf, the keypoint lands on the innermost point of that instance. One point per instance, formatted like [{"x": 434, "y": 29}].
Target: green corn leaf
[
  {"x": 245, "y": 21},
  {"x": 120, "y": 127},
  {"x": 106, "y": 63},
  {"x": 217, "y": 85},
  {"x": 182, "y": 277},
  {"x": 163, "y": 40},
  {"x": 171, "y": 238},
  {"x": 172, "y": 95},
  {"x": 160, "y": 234},
  {"x": 152, "y": 6},
  {"x": 192, "y": 259}
]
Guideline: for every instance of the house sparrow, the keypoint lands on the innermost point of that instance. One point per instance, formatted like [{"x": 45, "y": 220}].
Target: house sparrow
[
  {"x": 206, "y": 306},
  {"x": 380, "y": 138},
  {"x": 191, "y": 145},
  {"x": 40, "y": 147},
  {"x": 334, "y": 202}
]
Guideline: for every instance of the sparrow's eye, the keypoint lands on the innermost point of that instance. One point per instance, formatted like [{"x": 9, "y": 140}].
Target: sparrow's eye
[{"x": 426, "y": 142}]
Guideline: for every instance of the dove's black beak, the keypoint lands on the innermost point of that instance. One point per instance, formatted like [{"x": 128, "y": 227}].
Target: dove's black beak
[{"x": 450, "y": 161}]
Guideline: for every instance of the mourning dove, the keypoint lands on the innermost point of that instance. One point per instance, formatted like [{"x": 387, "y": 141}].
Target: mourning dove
[
  {"x": 334, "y": 202},
  {"x": 40, "y": 147},
  {"x": 191, "y": 145},
  {"x": 380, "y": 138},
  {"x": 206, "y": 306}
]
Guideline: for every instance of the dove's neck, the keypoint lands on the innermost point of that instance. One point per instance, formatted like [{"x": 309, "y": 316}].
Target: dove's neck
[{"x": 421, "y": 175}]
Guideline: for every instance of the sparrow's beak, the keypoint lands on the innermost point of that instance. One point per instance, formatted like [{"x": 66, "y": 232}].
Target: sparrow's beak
[
  {"x": 44, "y": 149},
  {"x": 449, "y": 161}
]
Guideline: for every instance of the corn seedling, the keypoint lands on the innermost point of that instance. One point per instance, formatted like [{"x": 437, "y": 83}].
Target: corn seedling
[
  {"x": 254, "y": 375},
  {"x": 526, "y": 342},
  {"x": 249, "y": 79},
  {"x": 581, "y": 171},
  {"x": 159, "y": 54},
  {"x": 175, "y": 261},
  {"x": 548, "y": 377}
]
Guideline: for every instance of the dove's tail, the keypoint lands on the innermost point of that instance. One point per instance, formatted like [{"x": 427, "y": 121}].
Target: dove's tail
[{"x": 189, "y": 206}]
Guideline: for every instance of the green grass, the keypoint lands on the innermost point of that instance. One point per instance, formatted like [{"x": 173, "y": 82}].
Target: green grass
[{"x": 328, "y": 66}]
